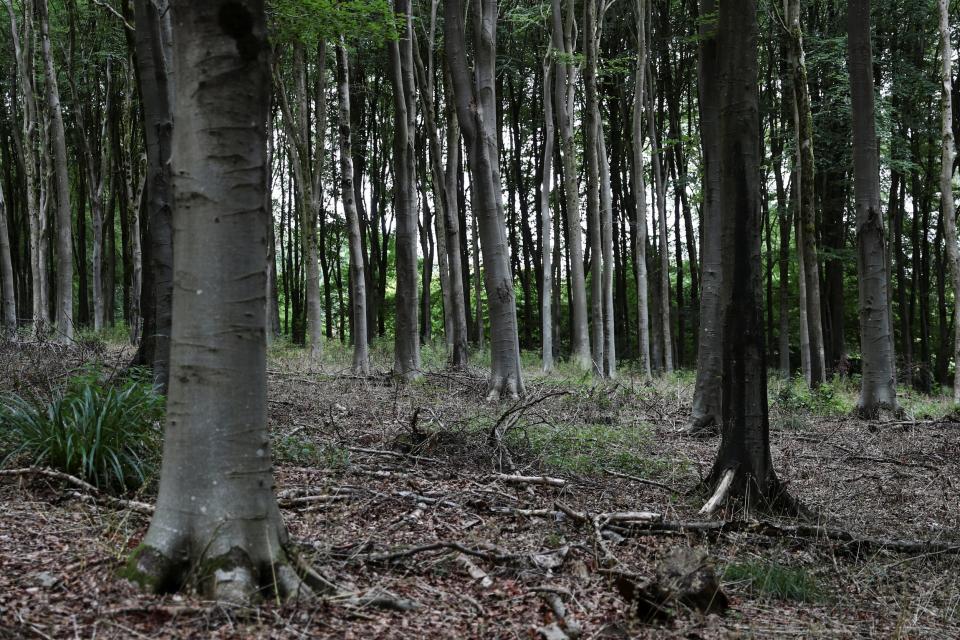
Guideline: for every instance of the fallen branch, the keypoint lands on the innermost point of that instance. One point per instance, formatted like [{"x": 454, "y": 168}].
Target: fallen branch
[
  {"x": 652, "y": 483},
  {"x": 541, "y": 480},
  {"x": 497, "y": 558},
  {"x": 96, "y": 494},
  {"x": 773, "y": 530},
  {"x": 723, "y": 488}
]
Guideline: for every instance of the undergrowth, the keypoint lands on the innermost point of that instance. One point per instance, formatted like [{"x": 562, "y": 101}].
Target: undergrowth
[
  {"x": 104, "y": 431},
  {"x": 773, "y": 580}
]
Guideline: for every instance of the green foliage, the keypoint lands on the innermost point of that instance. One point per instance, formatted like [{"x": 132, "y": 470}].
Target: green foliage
[
  {"x": 306, "y": 453},
  {"x": 106, "y": 432},
  {"x": 829, "y": 399},
  {"x": 310, "y": 21},
  {"x": 774, "y": 580}
]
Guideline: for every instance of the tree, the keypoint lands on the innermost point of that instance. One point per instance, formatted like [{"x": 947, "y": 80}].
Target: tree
[
  {"x": 406, "y": 360},
  {"x": 563, "y": 36},
  {"x": 8, "y": 324},
  {"x": 591, "y": 144},
  {"x": 361, "y": 356},
  {"x": 216, "y": 516},
  {"x": 455, "y": 238},
  {"x": 877, "y": 389},
  {"x": 706, "y": 411},
  {"x": 154, "y": 49},
  {"x": 640, "y": 215},
  {"x": 546, "y": 220},
  {"x": 947, "y": 207},
  {"x": 64, "y": 218},
  {"x": 476, "y": 111},
  {"x": 743, "y": 466}
]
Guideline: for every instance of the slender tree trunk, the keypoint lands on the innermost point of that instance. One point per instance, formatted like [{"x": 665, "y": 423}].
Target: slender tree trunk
[
  {"x": 546, "y": 219},
  {"x": 640, "y": 191},
  {"x": 564, "y": 94},
  {"x": 706, "y": 415},
  {"x": 217, "y": 520},
  {"x": 805, "y": 353},
  {"x": 64, "y": 318},
  {"x": 606, "y": 231},
  {"x": 877, "y": 387},
  {"x": 591, "y": 137},
  {"x": 8, "y": 300},
  {"x": 407, "y": 339},
  {"x": 656, "y": 158},
  {"x": 947, "y": 207},
  {"x": 455, "y": 259},
  {"x": 476, "y": 109},
  {"x": 803, "y": 121},
  {"x": 361, "y": 356}
]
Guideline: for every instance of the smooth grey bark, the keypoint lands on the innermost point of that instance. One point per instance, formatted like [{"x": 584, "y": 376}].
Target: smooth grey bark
[
  {"x": 308, "y": 174},
  {"x": 23, "y": 52},
  {"x": 361, "y": 354},
  {"x": 476, "y": 108},
  {"x": 546, "y": 214},
  {"x": 606, "y": 232},
  {"x": 406, "y": 360},
  {"x": 591, "y": 160},
  {"x": 217, "y": 520},
  {"x": 745, "y": 445},
  {"x": 8, "y": 299},
  {"x": 947, "y": 206},
  {"x": 640, "y": 191},
  {"x": 135, "y": 198},
  {"x": 660, "y": 187},
  {"x": 563, "y": 39},
  {"x": 458, "y": 309},
  {"x": 877, "y": 388},
  {"x": 58, "y": 140},
  {"x": 803, "y": 125},
  {"x": 706, "y": 409},
  {"x": 806, "y": 365}
]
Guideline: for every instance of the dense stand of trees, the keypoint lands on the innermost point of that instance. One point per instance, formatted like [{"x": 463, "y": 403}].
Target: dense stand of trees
[{"x": 705, "y": 170}]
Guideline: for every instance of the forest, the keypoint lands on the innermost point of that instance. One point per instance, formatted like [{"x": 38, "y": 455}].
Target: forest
[{"x": 547, "y": 319}]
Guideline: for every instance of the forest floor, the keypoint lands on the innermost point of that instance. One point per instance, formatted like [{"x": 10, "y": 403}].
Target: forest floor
[{"x": 367, "y": 468}]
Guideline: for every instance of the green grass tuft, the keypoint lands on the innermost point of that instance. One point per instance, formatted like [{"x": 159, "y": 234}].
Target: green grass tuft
[
  {"x": 773, "y": 580},
  {"x": 107, "y": 433}
]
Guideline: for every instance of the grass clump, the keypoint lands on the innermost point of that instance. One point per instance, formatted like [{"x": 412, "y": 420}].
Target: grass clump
[
  {"x": 105, "y": 432},
  {"x": 774, "y": 580},
  {"x": 305, "y": 453}
]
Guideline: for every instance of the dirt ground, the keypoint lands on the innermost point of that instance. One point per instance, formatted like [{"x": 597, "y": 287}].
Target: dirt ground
[{"x": 368, "y": 471}]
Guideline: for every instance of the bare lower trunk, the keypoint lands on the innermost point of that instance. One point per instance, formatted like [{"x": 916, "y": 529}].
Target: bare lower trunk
[
  {"x": 217, "y": 520},
  {"x": 8, "y": 325},
  {"x": 805, "y": 353},
  {"x": 406, "y": 362},
  {"x": 640, "y": 189},
  {"x": 64, "y": 320},
  {"x": 458, "y": 309},
  {"x": 564, "y": 93},
  {"x": 477, "y": 114},
  {"x": 606, "y": 231},
  {"x": 361, "y": 356},
  {"x": 705, "y": 414},
  {"x": 592, "y": 168},
  {"x": 661, "y": 193},
  {"x": 947, "y": 207},
  {"x": 877, "y": 388}
]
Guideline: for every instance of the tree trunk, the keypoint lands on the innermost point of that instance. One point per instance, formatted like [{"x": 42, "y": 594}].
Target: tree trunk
[
  {"x": 640, "y": 191},
  {"x": 877, "y": 388},
  {"x": 455, "y": 259},
  {"x": 606, "y": 232},
  {"x": 803, "y": 124},
  {"x": 154, "y": 51},
  {"x": 476, "y": 109},
  {"x": 546, "y": 219},
  {"x": 564, "y": 93},
  {"x": 592, "y": 132},
  {"x": 8, "y": 300},
  {"x": 744, "y": 455},
  {"x": 361, "y": 356},
  {"x": 64, "y": 263},
  {"x": 947, "y": 211},
  {"x": 656, "y": 158},
  {"x": 406, "y": 361},
  {"x": 217, "y": 519},
  {"x": 705, "y": 414}
]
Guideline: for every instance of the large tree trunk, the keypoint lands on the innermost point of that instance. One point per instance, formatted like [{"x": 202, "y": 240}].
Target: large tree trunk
[
  {"x": 877, "y": 388},
  {"x": 640, "y": 191},
  {"x": 705, "y": 414},
  {"x": 64, "y": 318},
  {"x": 562, "y": 35},
  {"x": 477, "y": 114},
  {"x": 947, "y": 207},
  {"x": 743, "y": 466},
  {"x": 361, "y": 356},
  {"x": 546, "y": 219},
  {"x": 154, "y": 51},
  {"x": 406, "y": 362},
  {"x": 217, "y": 519},
  {"x": 803, "y": 125}
]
